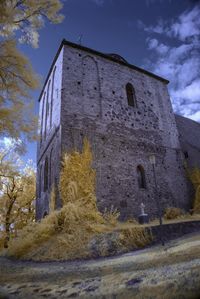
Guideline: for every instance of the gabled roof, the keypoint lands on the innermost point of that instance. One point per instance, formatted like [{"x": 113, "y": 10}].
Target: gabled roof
[{"x": 112, "y": 57}]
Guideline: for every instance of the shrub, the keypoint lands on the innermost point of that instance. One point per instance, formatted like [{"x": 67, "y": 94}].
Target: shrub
[
  {"x": 172, "y": 213},
  {"x": 194, "y": 176},
  {"x": 67, "y": 233},
  {"x": 111, "y": 215},
  {"x": 196, "y": 204},
  {"x": 135, "y": 237}
]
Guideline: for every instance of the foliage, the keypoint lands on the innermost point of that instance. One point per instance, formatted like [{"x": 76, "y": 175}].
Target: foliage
[
  {"x": 17, "y": 195},
  {"x": 194, "y": 176},
  {"x": 135, "y": 237},
  {"x": 111, "y": 215},
  {"x": 27, "y": 17},
  {"x": 16, "y": 80},
  {"x": 52, "y": 204},
  {"x": 67, "y": 233},
  {"x": 21, "y": 18},
  {"x": 172, "y": 213},
  {"x": 77, "y": 179}
]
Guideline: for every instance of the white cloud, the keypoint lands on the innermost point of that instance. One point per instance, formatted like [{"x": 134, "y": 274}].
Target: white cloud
[
  {"x": 191, "y": 92},
  {"x": 187, "y": 26},
  {"x": 159, "y": 28},
  {"x": 179, "y": 64},
  {"x": 152, "y": 43},
  {"x": 162, "y": 49},
  {"x": 195, "y": 116}
]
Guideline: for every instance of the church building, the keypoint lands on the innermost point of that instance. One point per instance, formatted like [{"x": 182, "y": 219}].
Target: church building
[{"x": 126, "y": 114}]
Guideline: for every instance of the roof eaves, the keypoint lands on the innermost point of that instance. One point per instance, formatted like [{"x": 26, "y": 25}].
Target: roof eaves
[{"x": 65, "y": 42}]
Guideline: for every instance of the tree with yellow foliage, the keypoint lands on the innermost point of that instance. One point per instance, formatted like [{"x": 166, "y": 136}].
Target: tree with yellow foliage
[
  {"x": 77, "y": 178},
  {"x": 78, "y": 229},
  {"x": 17, "y": 79},
  {"x": 17, "y": 195}
]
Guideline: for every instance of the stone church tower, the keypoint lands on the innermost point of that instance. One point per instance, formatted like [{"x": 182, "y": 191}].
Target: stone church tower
[{"x": 126, "y": 114}]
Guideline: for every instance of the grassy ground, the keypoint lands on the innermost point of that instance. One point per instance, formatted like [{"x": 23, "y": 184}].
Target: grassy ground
[{"x": 168, "y": 272}]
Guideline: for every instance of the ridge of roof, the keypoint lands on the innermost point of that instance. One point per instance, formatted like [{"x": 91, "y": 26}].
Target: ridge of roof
[{"x": 106, "y": 56}]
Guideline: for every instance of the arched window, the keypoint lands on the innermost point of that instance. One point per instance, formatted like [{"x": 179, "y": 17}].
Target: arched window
[
  {"x": 52, "y": 96},
  {"x": 47, "y": 109},
  {"x": 50, "y": 167},
  {"x": 46, "y": 175},
  {"x": 141, "y": 177},
  {"x": 130, "y": 93},
  {"x": 42, "y": 118},
  {"x": 40, "y": 182}
]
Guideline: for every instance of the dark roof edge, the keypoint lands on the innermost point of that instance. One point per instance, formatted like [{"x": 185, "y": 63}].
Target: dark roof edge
[
  {"x": 187, "y": 119},
  {"x": 65, "y": 42}
]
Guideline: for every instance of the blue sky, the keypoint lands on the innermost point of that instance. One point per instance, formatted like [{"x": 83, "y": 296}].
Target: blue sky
[{"x": 162, "y": 36}]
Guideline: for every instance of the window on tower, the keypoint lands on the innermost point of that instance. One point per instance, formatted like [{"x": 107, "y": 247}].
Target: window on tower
[
  {"x": 130, "y": 93},
  {"x": 46, "y": 174},
  {"x": 141, "y": 177}
]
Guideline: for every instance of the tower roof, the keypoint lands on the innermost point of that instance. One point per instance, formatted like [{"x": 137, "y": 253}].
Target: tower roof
[{"x": 114, "y": 57}]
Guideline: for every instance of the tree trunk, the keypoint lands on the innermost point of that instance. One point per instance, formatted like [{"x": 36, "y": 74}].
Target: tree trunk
[{"x": 7, "y": 224}]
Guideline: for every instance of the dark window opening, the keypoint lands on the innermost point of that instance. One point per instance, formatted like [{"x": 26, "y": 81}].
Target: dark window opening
[
  {"x": 40, "y": 182},
  {"x": 47, "y": 108},
  {"x": 42, "y": 118},
  {"x": 130, "y": 92},
  {"x": 52, "y": 96},
  {"x": 50, "y": 167},
  {"x": 46, "y": 174},
  {"x": 186, "y": 155},
  {"x": 141, "y": 177}
]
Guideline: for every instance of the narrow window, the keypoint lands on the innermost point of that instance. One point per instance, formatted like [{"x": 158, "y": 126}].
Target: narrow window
[
  {"x": 42, "y": 118},
  {"x": 50, "y": 167},
  {"x": 47, "y": 109},
  {"x": 52, "y": 96},
  {"x": 130, "y": 93},
  {"x": 186, "y": 155},
  {"x": 40, "y": 182},
  {"x": 141, "y": 177},
  {"x": 46, "y": 174}
]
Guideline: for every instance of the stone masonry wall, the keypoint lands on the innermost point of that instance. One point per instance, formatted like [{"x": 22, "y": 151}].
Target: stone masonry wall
[
  {"x": 85, "y": 95},
  {"x": 94, "y": 104},
  {"x": 49, "y": 146},
  {"x": 189, "y": 135}
]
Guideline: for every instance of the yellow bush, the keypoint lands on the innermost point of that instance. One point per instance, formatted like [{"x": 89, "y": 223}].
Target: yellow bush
[
  {"x": 196, "y": 205},
  {"x": 172, "y": 213},
  {"x": 77, "y": 179},
  {"x": 194, "y": 176},
  {"x": 135, "y": 237},
  {"x": 111, "y": 215},
  {"x": 66, "y": 233},
  {"x": 52, "y": 203}
]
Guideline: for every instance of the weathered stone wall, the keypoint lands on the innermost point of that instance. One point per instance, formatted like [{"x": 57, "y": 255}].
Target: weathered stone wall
[
  {"x": 189, "y": 135},
  {"x": 94, "y": 104},
  {"x": 89, "y": 99},
  {"x": 172, "y": 231},
  {"x": 49, "y": 144}
]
